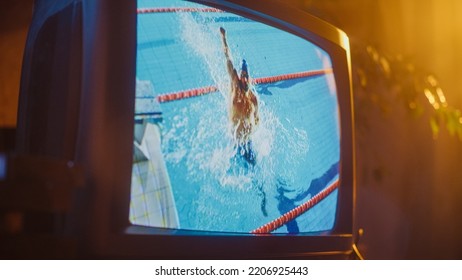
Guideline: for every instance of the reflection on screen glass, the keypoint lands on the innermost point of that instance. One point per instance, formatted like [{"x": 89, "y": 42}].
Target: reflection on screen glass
[
  {"x": 2, "y": 166},
  {"x": 236, "y": 124}
]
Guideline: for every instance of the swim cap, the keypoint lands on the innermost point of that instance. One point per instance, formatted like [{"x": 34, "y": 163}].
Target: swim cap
[{"x": 244, "y": 67}]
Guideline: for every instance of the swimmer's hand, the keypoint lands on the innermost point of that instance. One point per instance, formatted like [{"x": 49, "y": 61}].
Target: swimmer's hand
[{"x": 223, "y": 31}]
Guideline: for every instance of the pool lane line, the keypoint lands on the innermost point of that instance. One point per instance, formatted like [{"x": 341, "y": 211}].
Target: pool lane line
[
  {"x": 186, "y": 94},
  {"x": 167, "y": 97},
  {"x": 297, "y": 211},
  {"x": 299, "y": 75},
  {"x": 177, "y": 10}
]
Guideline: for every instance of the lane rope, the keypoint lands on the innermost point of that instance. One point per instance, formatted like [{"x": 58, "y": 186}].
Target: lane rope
[
  {"x": 167, "y": 97},
  {"x": 297, "y": 211}
]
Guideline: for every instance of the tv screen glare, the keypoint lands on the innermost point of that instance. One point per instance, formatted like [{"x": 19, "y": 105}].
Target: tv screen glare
[{"x": 236, "y": 127}]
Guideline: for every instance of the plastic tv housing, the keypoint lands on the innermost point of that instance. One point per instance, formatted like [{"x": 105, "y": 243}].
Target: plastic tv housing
[{"x": 96, "y": 90}]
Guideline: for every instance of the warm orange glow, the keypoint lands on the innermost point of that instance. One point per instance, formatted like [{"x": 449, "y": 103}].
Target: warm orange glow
[
  {"x": 441, "y": 96},
  {"x": 432, "y": 81},
  {"x": 431, "y": 98}
]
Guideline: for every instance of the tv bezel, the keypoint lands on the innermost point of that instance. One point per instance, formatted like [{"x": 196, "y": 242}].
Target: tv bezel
[{"x": 105, "y": 142}]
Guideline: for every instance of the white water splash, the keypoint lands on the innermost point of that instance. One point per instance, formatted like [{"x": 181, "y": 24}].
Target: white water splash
[
  {"x": 206, "y": 145},
  {"x": 206, "y": 43}
]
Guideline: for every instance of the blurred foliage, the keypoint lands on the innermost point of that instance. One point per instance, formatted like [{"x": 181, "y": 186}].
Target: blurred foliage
[{"x": 379, "y": 78}]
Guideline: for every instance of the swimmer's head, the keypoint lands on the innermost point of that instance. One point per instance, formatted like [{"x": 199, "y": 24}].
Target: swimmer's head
[{"x": 244, "y": 77}]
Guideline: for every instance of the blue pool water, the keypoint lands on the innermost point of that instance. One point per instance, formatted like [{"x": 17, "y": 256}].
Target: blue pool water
[{"x": 297, "y": 143}]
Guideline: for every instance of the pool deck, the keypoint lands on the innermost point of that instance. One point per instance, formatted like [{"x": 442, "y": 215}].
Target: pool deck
[{"x": 152, "y": 196}]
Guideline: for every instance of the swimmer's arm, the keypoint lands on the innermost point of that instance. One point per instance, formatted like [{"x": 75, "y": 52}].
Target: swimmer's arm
[{"x": 229, "y": 63}]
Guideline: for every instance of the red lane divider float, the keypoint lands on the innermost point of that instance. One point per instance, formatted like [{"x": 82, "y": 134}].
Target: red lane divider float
[
  {"x": 186, "y": 94},
  {"x": 294, "y": 213},
  {"x": 177, "y": 10},
  {"x": 278, "y": 78},
  {"x": 264, "y": 80}
]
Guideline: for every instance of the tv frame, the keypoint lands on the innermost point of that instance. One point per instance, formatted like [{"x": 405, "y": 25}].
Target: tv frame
[{"x": 104, "y": 144}]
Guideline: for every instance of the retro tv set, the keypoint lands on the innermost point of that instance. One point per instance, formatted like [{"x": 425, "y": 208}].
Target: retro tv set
[{"x": 205, "y": 129}]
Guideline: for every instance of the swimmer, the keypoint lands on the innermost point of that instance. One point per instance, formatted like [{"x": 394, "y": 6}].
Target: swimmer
[{"x": 243, "y": 105}]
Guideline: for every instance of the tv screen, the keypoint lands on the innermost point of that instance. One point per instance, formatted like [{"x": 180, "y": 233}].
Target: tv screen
[
  {"x": 204, "y": 129},
  {"x": 236, "y": 127}
]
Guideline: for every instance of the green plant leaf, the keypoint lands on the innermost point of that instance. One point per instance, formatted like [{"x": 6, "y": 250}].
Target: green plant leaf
[{"x": 435, "y": 126}]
